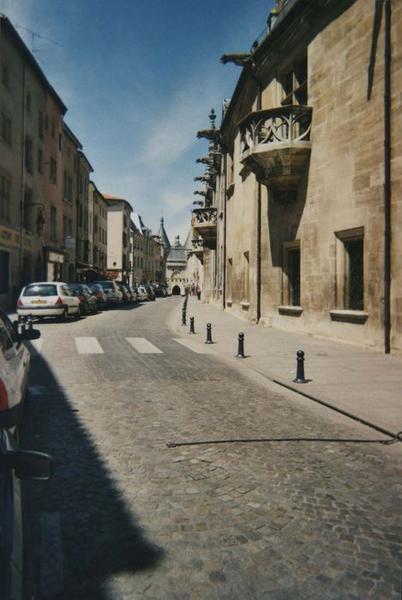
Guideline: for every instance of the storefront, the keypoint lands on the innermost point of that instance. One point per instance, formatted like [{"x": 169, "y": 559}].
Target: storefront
[{"x": 54, "y": 266}]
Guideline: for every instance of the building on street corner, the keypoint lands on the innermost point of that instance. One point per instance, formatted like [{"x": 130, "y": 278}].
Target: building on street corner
[
  {"x": 301, "y": 210},
  {"x": 118, "y": 237},
  {"x": 31, "y": 212}
]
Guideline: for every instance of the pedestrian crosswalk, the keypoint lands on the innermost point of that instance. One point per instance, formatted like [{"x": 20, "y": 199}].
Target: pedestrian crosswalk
[
  {"x": 88, "y": 345},
  {"x": 143, "y": 346}
]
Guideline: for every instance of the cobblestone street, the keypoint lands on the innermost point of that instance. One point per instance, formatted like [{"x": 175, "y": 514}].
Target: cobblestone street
[{"x": 126, "y": 517}]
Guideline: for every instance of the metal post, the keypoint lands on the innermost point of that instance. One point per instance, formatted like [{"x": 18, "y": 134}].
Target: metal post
[
  {"x": 183, "y": 317},
  {"x": 29, "y": 323},
  {"x": 240, "y": 350},
  {"x": 300, "y": 368},
  {"x": 209, "y": 334},
  {"x": 192, "y": 325}
]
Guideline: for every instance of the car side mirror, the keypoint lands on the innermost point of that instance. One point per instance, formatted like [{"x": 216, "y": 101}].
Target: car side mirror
[
  {"x": 28, "y": 464},
  {"x": 33, "y": 334}
]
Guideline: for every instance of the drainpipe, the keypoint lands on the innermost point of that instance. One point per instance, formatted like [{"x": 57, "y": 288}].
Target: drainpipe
[
  {"x": 22, "y": 191},
  {"x": 259, "y": 217},
  {"x": 224, "y": 226},
  {"x": 387, "y": 177}
]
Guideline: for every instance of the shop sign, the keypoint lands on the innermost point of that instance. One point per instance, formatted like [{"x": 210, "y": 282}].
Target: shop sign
[
  {"x": 11, "y": 238},
  {"x": 55, "y": 257}
]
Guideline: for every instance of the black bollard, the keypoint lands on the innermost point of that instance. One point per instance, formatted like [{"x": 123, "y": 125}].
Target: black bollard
[
  {"x": 183, "y": 317},
  {"x": 300, "y": 368},
  {"x": 29, "y": 323},
  {"x": 240, "y": 351},
  {"x": 192, "y": 325},
  {"x": 20, "y": 325},
  {"x": 209, "y": 334}
]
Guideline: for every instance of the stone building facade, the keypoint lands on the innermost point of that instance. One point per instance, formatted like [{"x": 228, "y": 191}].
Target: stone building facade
[
  {"x": 118, "y": 238},
  {"x": 28, "y": 106},
  {"x": 302, "y": 214},
  {"x": 70, "y": 148},
  {"x": 98, "y": 232},
  {"x": 83, "y": 248},
  {"x": 145, "y": 253}
]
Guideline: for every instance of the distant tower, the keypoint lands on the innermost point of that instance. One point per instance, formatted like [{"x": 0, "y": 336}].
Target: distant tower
[
  {"x": 165, "y": 246},
  {"x": 164, "y": 238}
]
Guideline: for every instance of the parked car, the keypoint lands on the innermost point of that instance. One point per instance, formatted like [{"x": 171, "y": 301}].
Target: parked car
[
  {"x": 129, "y": 293},
  {"x": 48, "y": 299},
  {"x": 142, "y": 294},
  {"x": 160, "y": 290},
  {"x": 86, "y": 297},
  {"x": 134, "y": 292},
  {"x": 114, "y": 295},
  {"x": 15, "y": 464},
  {"x": 150, "y": 291},
  {"x": 125, "y": 293},
  {"x": 99, "y": 294}
]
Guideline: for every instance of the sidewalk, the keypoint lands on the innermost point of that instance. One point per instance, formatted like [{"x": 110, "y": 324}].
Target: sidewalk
[{"x": 360, "y": 382}]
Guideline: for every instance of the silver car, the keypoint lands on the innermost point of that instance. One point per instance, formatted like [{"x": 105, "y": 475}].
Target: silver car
[{"x": 15, "y": 464}]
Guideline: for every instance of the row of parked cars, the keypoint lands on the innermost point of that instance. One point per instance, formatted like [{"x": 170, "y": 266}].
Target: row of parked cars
[
  {"x": 41, "y": 299},
  {"x": 63, "y": 300}
]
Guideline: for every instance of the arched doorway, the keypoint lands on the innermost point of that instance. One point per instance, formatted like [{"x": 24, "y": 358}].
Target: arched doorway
[{"x": 176, "y": 290}]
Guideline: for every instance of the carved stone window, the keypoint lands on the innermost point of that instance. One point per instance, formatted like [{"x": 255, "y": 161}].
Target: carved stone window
[
  {"x": 350, "y": 269},
  {"x": 294, "y": 84}
]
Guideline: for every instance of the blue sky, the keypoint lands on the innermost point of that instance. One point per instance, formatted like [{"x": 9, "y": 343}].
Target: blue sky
[{"x": 139, "y": 78}]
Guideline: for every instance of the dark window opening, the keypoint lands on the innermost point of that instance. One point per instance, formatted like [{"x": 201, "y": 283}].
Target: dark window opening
[
  {"x": 355, "y": 275},
  {"x": 27, "y": 220},
  {"x": 294, "y": 276},
  {"x": 4, "y": 272}
]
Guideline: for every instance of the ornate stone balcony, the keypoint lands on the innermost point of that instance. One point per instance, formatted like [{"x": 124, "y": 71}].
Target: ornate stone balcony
[
  {"x": 198, "y": 248},
  {"x": 204, "y": 223},
  {"x": 275, "y": 145}
]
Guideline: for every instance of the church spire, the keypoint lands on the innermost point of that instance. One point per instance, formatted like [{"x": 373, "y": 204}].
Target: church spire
[{"x": 163, "y": 236}]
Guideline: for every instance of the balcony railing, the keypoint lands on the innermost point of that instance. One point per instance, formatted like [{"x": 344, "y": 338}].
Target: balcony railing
[
  {"x": 275, "y": 144},
  {"x": 204, "y": 223},
  {"x": 198, "y": 247}
]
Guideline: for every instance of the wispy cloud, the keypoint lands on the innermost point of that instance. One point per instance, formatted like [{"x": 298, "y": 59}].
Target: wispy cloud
[{"x": 172, "y": 130}]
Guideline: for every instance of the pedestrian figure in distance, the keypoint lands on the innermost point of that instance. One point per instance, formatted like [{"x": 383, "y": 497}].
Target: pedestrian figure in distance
[{"x": 198, "y": 292}]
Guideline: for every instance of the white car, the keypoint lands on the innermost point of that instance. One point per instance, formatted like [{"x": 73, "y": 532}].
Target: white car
[
  {"x": 15, "y": 464},
  {"x": 48, "y": 299},
  {"x": 142, "y": 294}
]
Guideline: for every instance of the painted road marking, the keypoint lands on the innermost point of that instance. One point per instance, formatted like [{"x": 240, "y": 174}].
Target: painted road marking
[
  {"x": 143, "y": 346},
  {"x": 193, "y": 346},
  {"x": 51, "y": 555},
  {"x": 88, "y": 345}
]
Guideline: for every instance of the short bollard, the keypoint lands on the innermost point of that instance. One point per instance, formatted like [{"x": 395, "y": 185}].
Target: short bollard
[
  {"x": 29, "y": 323},
  {"x": 21, "y": 325},
  {"x": 192, "y": 330},
  {"x": 300, "y": 368},
  {"x": 240, "y": 350},
  {"x": 183, "y": 317},
  {"x": 209, "y": 334}
]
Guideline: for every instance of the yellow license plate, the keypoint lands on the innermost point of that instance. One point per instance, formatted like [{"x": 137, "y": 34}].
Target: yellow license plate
[{"x": 39, "y": 301}]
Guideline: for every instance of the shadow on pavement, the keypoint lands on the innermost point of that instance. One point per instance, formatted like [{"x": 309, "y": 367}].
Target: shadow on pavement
[{"x": 100, "y": 535}]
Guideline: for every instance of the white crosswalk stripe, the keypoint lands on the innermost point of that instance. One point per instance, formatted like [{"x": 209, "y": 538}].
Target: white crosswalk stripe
[
  {"x": 193, "y": 346},
  {"x": 143, "y": 346},
  {"x": 91, "y": 345},
  {"x": 88, "y": 345}
]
